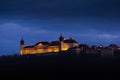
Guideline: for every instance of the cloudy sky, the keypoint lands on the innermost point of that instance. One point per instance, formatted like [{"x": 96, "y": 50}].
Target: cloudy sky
[{"x": 87, "y": 21}]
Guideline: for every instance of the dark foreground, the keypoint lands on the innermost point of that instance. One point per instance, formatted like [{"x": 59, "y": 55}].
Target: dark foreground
[{"x": 59, "y": 65}]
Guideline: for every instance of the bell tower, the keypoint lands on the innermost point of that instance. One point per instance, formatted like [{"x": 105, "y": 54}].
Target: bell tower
[
  {"x": 61, "y": 39},
  {"x": 22, "y": 47}
]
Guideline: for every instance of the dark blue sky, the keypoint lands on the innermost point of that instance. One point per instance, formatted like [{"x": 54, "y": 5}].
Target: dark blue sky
[{"x": 87, "y": 21}]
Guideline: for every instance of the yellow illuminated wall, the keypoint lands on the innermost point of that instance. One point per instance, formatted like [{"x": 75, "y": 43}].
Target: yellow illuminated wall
[
  {"x": 65, "y": 47},
  {"x": 45, "y": 48}
]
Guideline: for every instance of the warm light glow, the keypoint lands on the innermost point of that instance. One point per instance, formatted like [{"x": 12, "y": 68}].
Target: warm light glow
[
  {"x": 40, "y": 48},
  {"x": 65, "y": 46},
  {"x": 53, "y": 49},
  {"x": 21, "y": 52}
]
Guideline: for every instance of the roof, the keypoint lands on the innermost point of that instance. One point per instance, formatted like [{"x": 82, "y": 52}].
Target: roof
[
  {"x": 70, "y": 41},
  {"x": 22, "y": 41},
  {"x": 54, "y": 43},
  {"x": 44, "y": 43},
  {"x": 61, "y": 38},
  {"x": 113, "y": 45},
  {"x": 29, "y": 46}
]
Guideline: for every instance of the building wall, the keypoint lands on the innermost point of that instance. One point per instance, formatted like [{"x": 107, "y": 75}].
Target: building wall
[
  {"x": 45, "y": 48},
  {"x": 21, "y": 49},
  {"x": 71, "y": 44},
  {"x": 107, "y": 52},
  {"x": 41, "y": 46},
  {"x": 29, "y": 51},
  {"x": 41, "y": 50},
  {"x": 53, "y": 49},
  {"x": 93, "y": 51},
  {"x": 65, "y": 46}
]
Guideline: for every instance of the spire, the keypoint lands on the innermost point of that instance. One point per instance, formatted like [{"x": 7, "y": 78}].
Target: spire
[
  {"x": 61, "y": 38},
  {"x": 22, "y": 41}
]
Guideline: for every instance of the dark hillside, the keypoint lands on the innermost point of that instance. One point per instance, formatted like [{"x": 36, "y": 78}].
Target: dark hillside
[{"x": 59, "y": 65}]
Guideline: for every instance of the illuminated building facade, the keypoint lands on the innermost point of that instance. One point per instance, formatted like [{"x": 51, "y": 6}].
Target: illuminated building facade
[{"x": 45, "y": 47}]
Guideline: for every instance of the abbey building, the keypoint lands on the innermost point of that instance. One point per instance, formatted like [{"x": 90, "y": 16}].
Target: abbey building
[{"x": 45, "y": 47}]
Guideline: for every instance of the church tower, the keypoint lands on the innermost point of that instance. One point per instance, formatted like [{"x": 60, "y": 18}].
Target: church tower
[
  {"x": 22, "y": 47},
  {"x": 61, "y": 39}
]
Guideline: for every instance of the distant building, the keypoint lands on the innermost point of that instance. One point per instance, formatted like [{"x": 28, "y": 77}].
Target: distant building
[
  {"x": 107, "y": 52},
  {"x": 45, "y": 47},
  {"x": 98, "y": 51}
]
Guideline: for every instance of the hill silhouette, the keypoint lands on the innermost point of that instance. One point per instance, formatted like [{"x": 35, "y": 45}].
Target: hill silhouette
[{"x": 58, "y": 65}]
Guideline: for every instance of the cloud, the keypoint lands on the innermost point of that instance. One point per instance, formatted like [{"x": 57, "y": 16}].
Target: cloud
[
  {"x": 17, "y": 29},
  {"x": 98, "y": 36},
  {"x": 108, "y": 36},
  {"x": 11, "y": 33}
]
